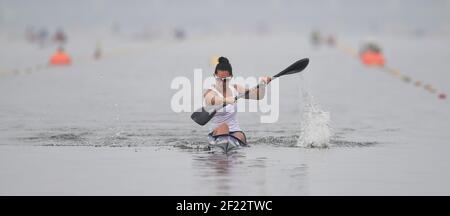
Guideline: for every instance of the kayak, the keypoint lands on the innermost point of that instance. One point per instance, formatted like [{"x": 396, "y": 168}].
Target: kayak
[
  {"x": 223, "y": 144},
  {"x": 372, "y": 59}
]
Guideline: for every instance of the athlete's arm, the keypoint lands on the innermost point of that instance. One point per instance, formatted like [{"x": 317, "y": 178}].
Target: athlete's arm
[
  {"x": 255, "y": 93},
  {"x": 211, "y": 98}
]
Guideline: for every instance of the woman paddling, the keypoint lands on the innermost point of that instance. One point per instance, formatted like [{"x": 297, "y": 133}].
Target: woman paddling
[{"x": 224, "y": 125}]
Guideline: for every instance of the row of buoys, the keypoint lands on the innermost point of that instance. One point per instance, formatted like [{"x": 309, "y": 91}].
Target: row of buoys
[
  {"x": 59, "y": 58},
  {"x": 372, "y": 56},
  {"x": 417, "y": 83},
  {"x": 27, "y": 70}
]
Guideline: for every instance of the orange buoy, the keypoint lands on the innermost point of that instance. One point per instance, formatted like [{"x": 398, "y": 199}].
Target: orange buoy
[
  {"x": 60, "y": 58},
  {"x": 371, "y": 58}
]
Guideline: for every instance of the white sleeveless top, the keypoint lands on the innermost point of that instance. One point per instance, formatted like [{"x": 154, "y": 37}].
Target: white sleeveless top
[{"x": 226, "y": 114}]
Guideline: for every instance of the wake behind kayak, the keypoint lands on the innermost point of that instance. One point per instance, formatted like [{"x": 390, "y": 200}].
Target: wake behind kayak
[{"x": 224, "y": 144}]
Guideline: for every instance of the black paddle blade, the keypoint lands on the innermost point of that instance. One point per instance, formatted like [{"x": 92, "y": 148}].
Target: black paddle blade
[
  {"x": 294, "y": 68},
  {"x": 202, "y": 116}
]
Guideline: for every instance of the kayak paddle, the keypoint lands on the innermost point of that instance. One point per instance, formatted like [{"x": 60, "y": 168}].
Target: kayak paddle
[{"x": 202, "y": 116}]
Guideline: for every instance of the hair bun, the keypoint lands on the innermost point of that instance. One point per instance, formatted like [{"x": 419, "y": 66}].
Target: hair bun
[
  {"x": 223, "y": 60},
  {"x": 224, "y": 65}
]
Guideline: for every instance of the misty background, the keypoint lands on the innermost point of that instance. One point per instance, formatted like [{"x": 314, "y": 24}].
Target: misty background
[
  {"x": 103, "y": 124},
  {"x": 155, "y": 17}
]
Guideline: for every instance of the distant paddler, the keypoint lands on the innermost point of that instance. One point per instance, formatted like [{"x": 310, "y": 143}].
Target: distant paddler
[{"x": 371, "y": 55}]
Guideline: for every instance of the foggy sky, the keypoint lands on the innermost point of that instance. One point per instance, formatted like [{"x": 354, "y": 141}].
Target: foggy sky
[{"x": 219, "y": 15}]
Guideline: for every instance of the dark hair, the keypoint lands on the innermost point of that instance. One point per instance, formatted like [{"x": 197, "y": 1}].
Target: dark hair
[{"x": 225, "y": 65}]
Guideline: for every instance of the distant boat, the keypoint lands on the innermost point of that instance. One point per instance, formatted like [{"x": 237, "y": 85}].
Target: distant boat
[
  {"x": 371, "y": 58},
  {"x": 60, "y": 58}
]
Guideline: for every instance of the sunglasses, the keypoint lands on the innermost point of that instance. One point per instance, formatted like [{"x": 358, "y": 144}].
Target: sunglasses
[{"x": 223, "y": 79}]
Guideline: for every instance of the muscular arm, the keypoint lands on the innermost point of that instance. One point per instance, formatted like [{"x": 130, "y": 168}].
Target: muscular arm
[
  {"x": 254, "y": 93},
  {"x": 211, "y": 99}
]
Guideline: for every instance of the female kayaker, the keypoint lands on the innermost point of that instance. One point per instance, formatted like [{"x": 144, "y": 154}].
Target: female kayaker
[{"x": 224, "y": 123}]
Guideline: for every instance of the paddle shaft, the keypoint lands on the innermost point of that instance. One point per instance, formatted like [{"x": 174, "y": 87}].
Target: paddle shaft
[{"x": 246, "y": 93}]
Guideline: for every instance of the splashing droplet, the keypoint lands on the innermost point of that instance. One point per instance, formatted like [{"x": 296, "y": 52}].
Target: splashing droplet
[{"x": 315, "y": 127}]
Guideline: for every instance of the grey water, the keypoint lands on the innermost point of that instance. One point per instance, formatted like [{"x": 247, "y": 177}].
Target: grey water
[{"x": 106, "y": 126}]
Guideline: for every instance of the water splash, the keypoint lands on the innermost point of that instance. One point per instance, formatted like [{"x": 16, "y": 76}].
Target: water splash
[{"x": 315, "y": 128}]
